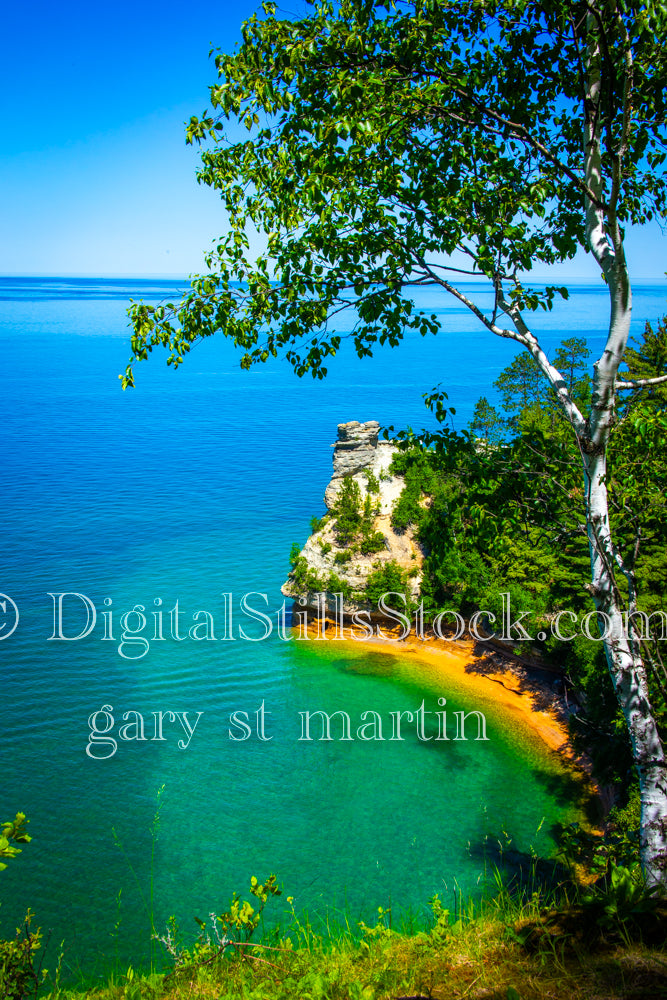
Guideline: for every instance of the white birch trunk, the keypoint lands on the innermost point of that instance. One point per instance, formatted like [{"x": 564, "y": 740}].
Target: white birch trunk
[
  {"x": 626, "y": 668},
  {"x": 628, "y": 675}
]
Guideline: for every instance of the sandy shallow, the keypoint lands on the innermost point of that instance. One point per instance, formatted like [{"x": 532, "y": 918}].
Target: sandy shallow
[
  {"x": 527, "y": 699},
  {"x": 478, "y": 675}
]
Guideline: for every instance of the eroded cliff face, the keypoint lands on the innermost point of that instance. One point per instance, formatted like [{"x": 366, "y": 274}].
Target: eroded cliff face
[{"x": 331, "y": 561}]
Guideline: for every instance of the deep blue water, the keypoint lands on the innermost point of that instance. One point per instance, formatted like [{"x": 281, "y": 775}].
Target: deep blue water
[{"x": 189, "y": 487}]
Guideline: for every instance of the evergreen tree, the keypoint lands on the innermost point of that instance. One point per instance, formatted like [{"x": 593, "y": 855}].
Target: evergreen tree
[{"x": 486, "y": 422}]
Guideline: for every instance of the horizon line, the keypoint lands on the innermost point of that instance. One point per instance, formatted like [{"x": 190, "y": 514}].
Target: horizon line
[{"x": 172, "y": 276}]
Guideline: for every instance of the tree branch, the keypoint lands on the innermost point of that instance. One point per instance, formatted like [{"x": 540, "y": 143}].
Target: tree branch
[
  {"x": 641, "y": 382},
  {"x": 521, "y": 133},
  {"x": 553, "y": 376}
]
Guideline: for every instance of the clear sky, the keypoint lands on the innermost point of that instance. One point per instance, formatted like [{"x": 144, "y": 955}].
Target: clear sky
[{"x": 95, "y": 176}]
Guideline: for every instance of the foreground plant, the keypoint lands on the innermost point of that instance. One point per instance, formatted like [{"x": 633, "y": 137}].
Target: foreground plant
[
  {"x": 226, "y": 932},
  {"x": 13, "y": 832},
  {"x": 503, "y": 945},
  {"x": 19, "y": 975}
]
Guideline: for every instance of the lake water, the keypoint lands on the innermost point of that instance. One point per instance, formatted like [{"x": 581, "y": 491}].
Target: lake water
[{"x": 192, "y": 486}]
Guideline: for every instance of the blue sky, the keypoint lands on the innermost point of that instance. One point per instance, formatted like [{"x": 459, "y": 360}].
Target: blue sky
[
  {"x": 94, "y": 171},
  {"x": 95, "y": 175}
]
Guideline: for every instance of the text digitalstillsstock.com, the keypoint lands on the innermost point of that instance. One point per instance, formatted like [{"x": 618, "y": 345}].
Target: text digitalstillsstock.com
[
  {"x": 73, "y": 616},
  {"x": 106, "y": 731}
]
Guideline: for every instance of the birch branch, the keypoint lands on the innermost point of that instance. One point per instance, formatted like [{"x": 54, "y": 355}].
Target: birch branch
[{"x": 640, "y": 383}]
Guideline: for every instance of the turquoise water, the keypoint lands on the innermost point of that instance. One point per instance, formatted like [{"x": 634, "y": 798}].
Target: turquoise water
[{"x": 192, "y": 486}]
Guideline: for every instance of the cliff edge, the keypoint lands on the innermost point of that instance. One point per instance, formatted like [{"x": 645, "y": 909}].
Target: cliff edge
[{"x": 354, "y": 550}]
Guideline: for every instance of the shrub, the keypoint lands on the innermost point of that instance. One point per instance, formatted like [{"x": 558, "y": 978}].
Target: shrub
[
  {"x": 372, "y": 481},
  {"x": 13, "y": 831},
  {"x": 348, "y": 511},
  {"x": 227, "y": 933},
  {"x": 18, "y": 976},
  {"x": 335, "y": 585},
  {"x": 294, "y": 554},
  {"x": 304, "y": 578},
  {"x": 416, "y": 467},
  {"x": 372, "y": 542},
  {"x": 407, "y": 509},
  {"x": 386, "y": 578}
]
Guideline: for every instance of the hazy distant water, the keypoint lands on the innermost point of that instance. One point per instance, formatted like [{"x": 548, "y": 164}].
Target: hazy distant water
[{"x": 189, "y": 487}]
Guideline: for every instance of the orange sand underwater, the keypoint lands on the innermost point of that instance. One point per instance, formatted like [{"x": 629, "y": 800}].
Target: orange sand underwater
[{"x": 530, "y": 702}]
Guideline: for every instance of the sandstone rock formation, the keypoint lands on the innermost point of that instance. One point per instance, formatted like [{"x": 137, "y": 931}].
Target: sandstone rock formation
[{"x": 358, "y": 455}]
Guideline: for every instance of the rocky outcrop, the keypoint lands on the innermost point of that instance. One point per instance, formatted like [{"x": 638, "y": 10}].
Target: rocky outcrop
[
  {"x": 325, "y": 564},
  {"x": 357, "y": 452}
]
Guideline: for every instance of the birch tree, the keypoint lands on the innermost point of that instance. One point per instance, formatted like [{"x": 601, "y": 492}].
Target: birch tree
[{"x": 393, "y": 145}]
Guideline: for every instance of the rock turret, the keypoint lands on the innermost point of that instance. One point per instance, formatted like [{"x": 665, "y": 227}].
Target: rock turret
[
  {"x": 327, "y": 563},
  {"x": 357, "y": 452},
  {"x": 355, "y": 448}
]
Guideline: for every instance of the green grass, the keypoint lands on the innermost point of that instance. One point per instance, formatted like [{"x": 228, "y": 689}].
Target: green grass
[
  {"x": 583, "y": 926},
  {"x": 552, "y": 944}
]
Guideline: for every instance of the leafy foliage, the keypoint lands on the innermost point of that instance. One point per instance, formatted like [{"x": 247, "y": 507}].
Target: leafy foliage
[
  {"x": 13, "y": 831},
  {"x": 486, "y": 423},
  {"x": 372, "y": 481},
  {"x": 524, "y": 390},
  {"x": 304, "y": 578},
  {"x": 371, "y": 542},
  {"x": 505, "y": 518},
  {"x": 19, "y": 976},
  {"x": 354, "y": 522},
  {"x": 522, "y": 384},
  {"x": 348, "y": 511},
  {"x": 227, "y": 932},
  {"x": 510, "y": 943},
  {"x": 648, "y": 359},
  {"x": 380, "y": 136},
  {"x": 386, "y": 578},
  {"x": 571, "y": 359},
  {"x": 419, "y": 482}
]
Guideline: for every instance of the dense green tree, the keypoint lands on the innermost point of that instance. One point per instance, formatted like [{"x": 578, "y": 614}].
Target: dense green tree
[
  {"x": 392, "y": 145},
  {"x": 510, "y": 513},
  {"x": 521, "y": 384},
  {"x": 648, "y": 360},
  {"x": 348, "y": 511},
  {"x": 571, "y": 359},
  {"x": 486, "y": 422}
]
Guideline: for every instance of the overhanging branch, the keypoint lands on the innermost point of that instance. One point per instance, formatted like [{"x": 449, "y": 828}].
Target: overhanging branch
[{"x": 640, "y": 383}]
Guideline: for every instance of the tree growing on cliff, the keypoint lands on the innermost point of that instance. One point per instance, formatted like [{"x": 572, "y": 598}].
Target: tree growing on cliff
[{"x": 398, "y": 144}]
